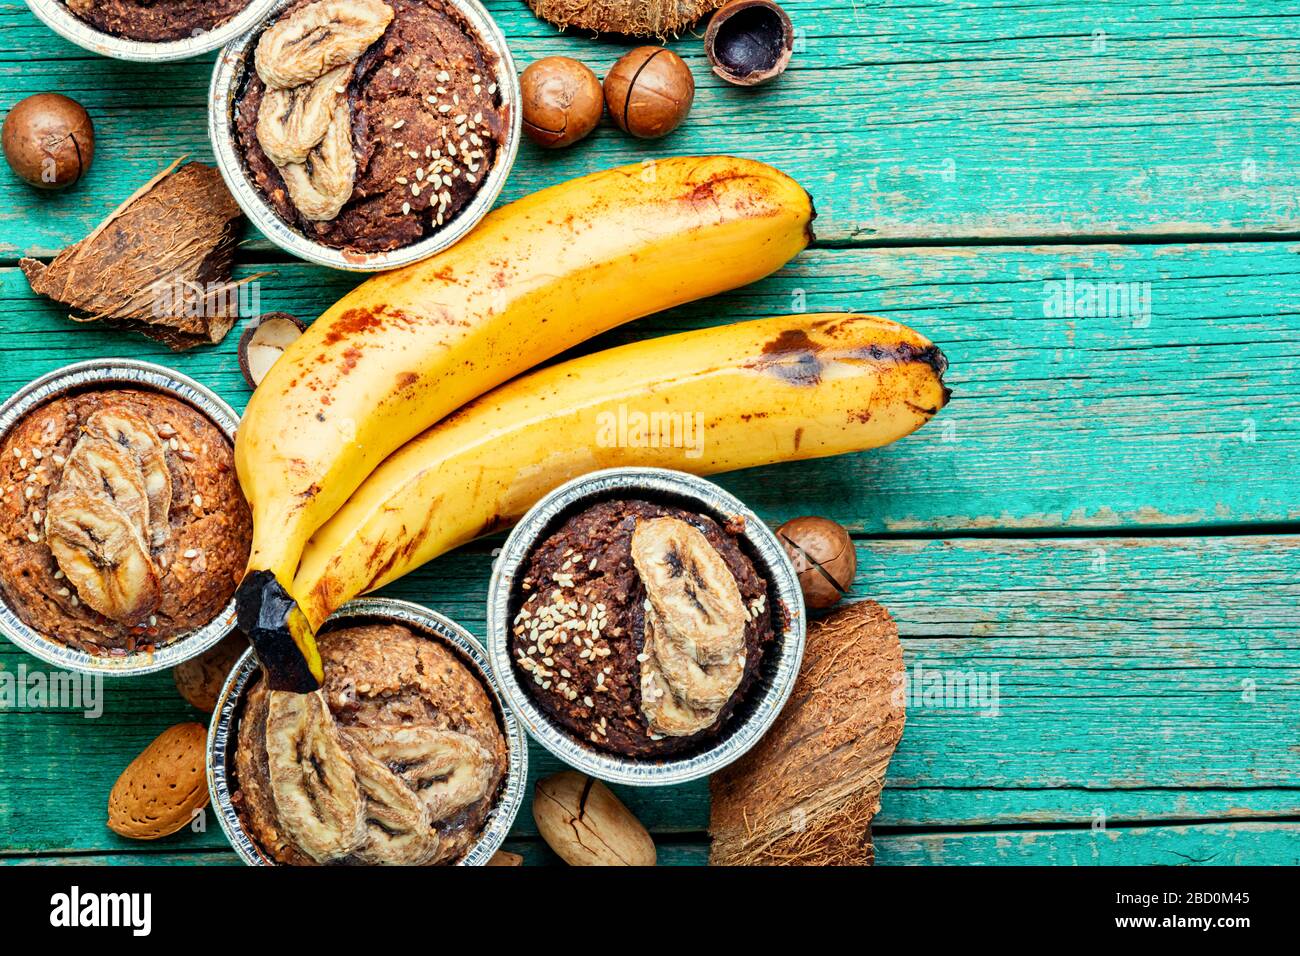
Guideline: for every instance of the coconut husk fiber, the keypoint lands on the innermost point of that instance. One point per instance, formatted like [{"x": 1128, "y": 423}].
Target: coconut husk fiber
[
  {"x": 806, "y": 793},
  {"x": 634, "y": 18},
  {"x": 159, "y": 264}
]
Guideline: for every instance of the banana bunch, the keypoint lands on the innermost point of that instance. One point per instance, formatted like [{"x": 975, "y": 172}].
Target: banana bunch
[
  {"x": 407, "y": 348},
  {"x": 708, "y": 401}
]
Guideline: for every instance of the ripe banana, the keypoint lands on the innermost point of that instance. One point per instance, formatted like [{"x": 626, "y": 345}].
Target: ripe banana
[
  {"x": 742, "y": 395},
  {"x": 406, "y": 348}
]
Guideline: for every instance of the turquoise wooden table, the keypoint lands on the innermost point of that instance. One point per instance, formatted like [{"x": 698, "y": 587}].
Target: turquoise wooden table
[{"x": 1096, "y": 213}]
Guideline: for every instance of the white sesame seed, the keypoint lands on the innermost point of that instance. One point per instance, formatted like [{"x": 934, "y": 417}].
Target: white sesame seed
[
  {"x": 399, "y": 124},
  {"x": 191, "y": 553}
]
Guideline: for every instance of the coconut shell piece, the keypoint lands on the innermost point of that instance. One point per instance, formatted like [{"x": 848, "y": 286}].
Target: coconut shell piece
[
  {"x": 749, "y": 42},
  {"x": 159, "y": 264},
  {"x": 806, "y": 793},
  {"x": 633, "y": 18}
]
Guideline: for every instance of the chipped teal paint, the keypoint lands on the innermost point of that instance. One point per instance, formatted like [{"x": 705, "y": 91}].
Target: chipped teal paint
[{"x": 1140, "y": 680}]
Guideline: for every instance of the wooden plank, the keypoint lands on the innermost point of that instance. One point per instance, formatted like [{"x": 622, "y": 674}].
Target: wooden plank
[
  {"x": 1159, "y": 684},
  {"x": 1124, "y": 420},
  {"x": 907, "y": 122},
  {"x": 1218, "y": 844}
]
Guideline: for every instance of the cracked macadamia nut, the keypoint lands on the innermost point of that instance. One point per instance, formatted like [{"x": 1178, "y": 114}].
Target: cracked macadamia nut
[
  {"x": 649, "y": 92},
  {"x": 823, "y": 555},
  {"x": 49, "y": 141},
  {"x": 562, "y": 101}
]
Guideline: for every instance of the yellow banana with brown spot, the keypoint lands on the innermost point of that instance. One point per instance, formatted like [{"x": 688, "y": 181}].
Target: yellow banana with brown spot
[
  {"x": 409, "y": 347},
  {"x": 764, "y": 391}
]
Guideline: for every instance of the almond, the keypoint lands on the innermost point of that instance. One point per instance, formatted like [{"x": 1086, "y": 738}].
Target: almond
[
  {"x": 505, "y": 858},
  {"x": 586, "y": 825},
  {"x": 157, "y": 794},
  {"x": 200, "y": 679}
]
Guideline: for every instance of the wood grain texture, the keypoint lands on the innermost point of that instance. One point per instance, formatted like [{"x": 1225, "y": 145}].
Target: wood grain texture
[
  {"x": 919, "y": 121},
  {"x": 1149, "y": 683},
  {"x": 1136, "y": 680},
  {"x": 1187, "y": 416},
  {"x": 1217, "y": 844}
]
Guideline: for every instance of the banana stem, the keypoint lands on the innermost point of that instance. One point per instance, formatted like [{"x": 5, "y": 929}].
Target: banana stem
[{"x": 279, "y": 632}]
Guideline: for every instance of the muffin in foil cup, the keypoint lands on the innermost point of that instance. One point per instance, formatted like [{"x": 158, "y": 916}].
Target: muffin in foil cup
[
  {"x": 102, "y": 375},
  {"x": 781, "y": 659},
  {"x": 56, "y": 15},
  {"x": 223, "y": 733},
  {"x": 228, "y": 80}
]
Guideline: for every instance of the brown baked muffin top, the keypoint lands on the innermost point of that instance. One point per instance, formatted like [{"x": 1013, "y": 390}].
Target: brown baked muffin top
[
  {"x": 402, "y": 741},
  {"x": 425, "y": 127},
  {"x": 156, "y": 21},
  {"x": 122, "y": 520},
  {"x": 579, "y": 634}
]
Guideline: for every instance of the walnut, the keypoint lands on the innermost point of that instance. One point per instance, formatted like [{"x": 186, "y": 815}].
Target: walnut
[
  {"x": 693, "y": 653},
  {"x": 318, "y": 37}
]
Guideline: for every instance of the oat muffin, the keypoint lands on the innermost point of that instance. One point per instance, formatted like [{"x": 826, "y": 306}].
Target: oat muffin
[
  {"x": 391, "y": 142},
  {"x": 398, "y": 759},
  {"x": 156, "y": 21},
  {"x": 639, "y": 627},
  {"x": 123, "y": 523}
]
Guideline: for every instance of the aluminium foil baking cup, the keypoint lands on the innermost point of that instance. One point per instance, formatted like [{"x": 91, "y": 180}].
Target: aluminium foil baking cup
[
  {"x": 100, "y": 375},
  {"x": 228, "y": 80},
  {"x": 781, "y": 660},
  {"x": 223, "y": 733},
  {"x": 56, "y": 15}
]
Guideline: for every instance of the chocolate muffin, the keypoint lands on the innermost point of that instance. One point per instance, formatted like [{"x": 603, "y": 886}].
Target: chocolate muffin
[
  {"x": 640, "y": 627},
  {"x": 123, "y": 523},
  {"x": 156, "y": 21},
  {"x": 399, "y": 758},
  {"x": 391, "y": 141}
]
